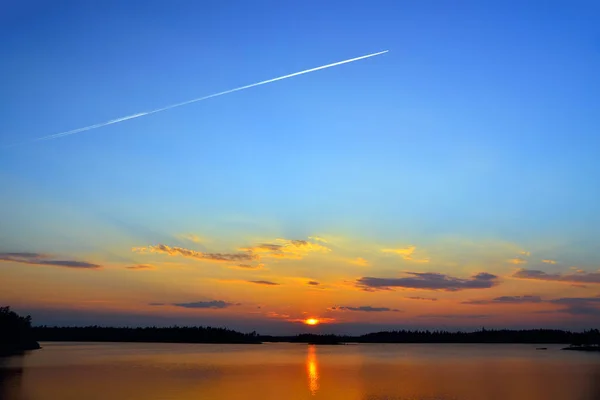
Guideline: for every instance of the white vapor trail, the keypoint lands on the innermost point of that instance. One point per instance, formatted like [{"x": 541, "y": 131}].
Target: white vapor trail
[{"x": 117, "y": 120}]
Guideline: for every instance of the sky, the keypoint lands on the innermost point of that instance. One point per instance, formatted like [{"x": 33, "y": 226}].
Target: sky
[{"x": 450, "y": 183}]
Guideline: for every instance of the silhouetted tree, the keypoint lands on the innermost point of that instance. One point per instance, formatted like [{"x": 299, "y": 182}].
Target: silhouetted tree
[{"x": 15, "y": 332}]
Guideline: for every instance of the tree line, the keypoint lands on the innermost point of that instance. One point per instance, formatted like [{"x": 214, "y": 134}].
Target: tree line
[{"x": 18, "y": 334}]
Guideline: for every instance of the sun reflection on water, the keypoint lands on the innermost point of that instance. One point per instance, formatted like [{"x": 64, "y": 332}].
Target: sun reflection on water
[{"x": 312, "y": 370}]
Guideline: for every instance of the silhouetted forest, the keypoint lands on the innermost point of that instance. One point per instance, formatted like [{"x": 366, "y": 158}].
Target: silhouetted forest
[
  {"x": 16, "y": 334},
  {"x": 533, "y": 336},
  {"x": 221, "y": 335},
  {"x": 173, "y": 334}
]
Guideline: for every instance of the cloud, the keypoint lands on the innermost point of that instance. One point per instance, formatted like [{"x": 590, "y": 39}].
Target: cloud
[
  {"x": 549, "y": 261},
  {"x": 318, "y": 239},
  {"x": 407, "y": 254},
  {"x": 313, "y": 283},
  {"x": 586, "y": 306},
  {"x": 455, "y": 316},
  {"x": 268, "y": 283},
  {"x": 525, "y": 253},
  {"x": 430, "y": 281},
  {"x": 156, "y": 304},
  {"x": 180, "y": 251},
  {"x": 422, "y": 298},
  {"x": 205, "y": 304},
  {"x": 364, "y": 309},
  {"x": 507, "y": 300},
  {"x": 44, "y": 259},
  {"x": 517, "y": 261},
  {"x": 141, "y": 267},
  {"x": 286, "y": 249},
  {"x": 360, "y": 261},
  {"x": 578, "y": 277},
  {"x": 248, "y": 266},
  {"x": 192, "y": 238}
]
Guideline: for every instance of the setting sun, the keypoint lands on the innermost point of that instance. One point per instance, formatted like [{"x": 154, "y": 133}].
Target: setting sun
[{"x": 311, "y": 321}]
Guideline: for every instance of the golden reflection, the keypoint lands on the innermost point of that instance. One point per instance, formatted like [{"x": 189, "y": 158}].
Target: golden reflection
[{"x": 312, "y": 370}]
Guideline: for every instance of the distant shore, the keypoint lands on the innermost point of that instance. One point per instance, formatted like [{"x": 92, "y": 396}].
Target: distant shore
[{"x": 226, "y": 336}]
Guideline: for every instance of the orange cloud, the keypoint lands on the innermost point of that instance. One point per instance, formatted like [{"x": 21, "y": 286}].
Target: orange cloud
[
  {"x": 516, "y": 261},
  {"x": 407, "y": 254},
  {"x": 360, "y": 261},
  {"x": 180, "y": 251},
  {"x": 549, "y": 261},
  {"x": 248, "y": 266},
  {"x": 286, "y": 249}
]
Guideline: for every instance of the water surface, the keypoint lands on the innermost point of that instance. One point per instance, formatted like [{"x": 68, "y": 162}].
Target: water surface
[{"x": 133, "y": 371}]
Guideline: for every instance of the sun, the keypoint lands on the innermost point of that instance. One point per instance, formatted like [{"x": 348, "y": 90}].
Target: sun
[{"x": 311, "y": 321}]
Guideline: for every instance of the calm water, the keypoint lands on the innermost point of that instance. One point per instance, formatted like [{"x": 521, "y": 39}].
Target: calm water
[{"x": 120, "y": 371}]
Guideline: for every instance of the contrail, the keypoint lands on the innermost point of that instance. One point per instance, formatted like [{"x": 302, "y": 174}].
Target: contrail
[{"x": 142, "y": 114}]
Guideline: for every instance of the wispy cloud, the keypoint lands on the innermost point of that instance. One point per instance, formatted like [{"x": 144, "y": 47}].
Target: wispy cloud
[
  {"x": 577, "y": 277},
  {"x": 429, "y": 281},
  {"x": 318, "y": 239},
  {"x": 286, "y": 249},
  {"x": 455, "y": 316},
  {"x": 141, "y": 267},
  {"x": 267, "y": 283},
  {"x": 520, "y": 259},
  {"x": 45, "y": 259},
  {"x": 406, "y": 253},
  {"x": 254, "y": 267},
  {"x": 206, "y": 304},
  {"x": 180, "y": 251},
  {"x": 422, "y": 298},
  {"x": 506, "y": 300},
  {"x": 517, "y": 261},
  {"x": 313, "y": 283},
  {"x": 549, "y": 261},
  {"x": 364, "y": 309},
  {"x": 360, "y": 261},
  {"x": 192, "y": 238}
]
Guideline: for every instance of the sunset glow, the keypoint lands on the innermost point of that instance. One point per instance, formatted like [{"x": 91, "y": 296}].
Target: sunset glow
[{"x": 445, "y": 184}]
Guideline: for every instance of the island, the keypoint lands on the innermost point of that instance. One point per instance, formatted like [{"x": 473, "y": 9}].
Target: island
[{"x": 16, "y": 334}]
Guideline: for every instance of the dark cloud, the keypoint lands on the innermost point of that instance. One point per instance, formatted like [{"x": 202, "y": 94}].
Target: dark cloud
[
  {"x": 422, "y": 298},
  {"x": 579, "y": 305},
  {"x": 269, "y": 283},
  {"x": 429, "y": 281},
  {"x": 156, "y": 304},
  {"x": 205, "y": 304},
  {"x": 313, "y": 283},
  {"x": 140, "y": 267},
  {"x": 507, "y": 300},
  {"x": 44, "y": 259},
  {"x": 579, "y": 277},
  {"x": 364, "y": 309}
]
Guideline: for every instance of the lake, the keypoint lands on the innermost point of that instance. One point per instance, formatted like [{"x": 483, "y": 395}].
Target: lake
[{"x": 282, "y": 371}]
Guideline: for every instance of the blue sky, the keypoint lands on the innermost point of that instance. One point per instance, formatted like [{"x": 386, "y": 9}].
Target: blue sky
[{"x": 479, "y": 125}]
